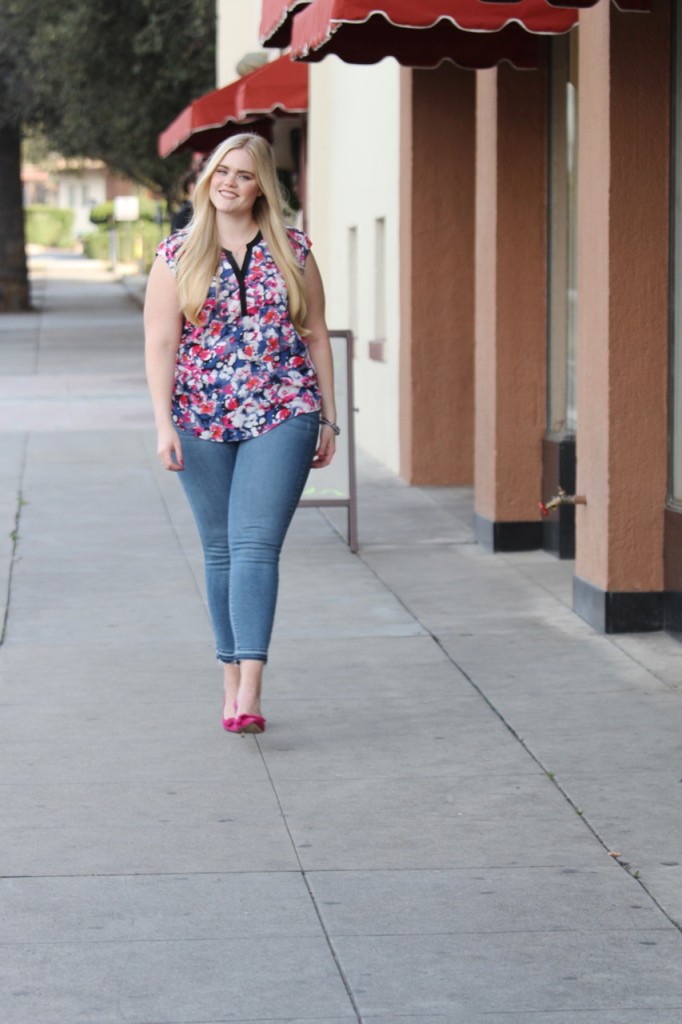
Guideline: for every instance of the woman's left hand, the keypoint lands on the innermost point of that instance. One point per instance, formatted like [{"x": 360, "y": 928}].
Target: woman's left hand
[{"x": 325, "y": 449}]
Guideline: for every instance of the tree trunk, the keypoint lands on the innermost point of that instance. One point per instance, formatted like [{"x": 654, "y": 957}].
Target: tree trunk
[{"x": 14, "y": 289}]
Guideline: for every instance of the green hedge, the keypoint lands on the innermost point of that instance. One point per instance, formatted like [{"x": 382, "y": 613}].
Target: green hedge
[
  {"x": 103, "y": 213},
  {"x": 49, "y": 226},
  {"x": 137, "y": 240}
]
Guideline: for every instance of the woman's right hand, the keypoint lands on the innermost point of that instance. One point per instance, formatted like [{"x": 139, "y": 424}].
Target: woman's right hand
[{"x": 169, "y": 449}]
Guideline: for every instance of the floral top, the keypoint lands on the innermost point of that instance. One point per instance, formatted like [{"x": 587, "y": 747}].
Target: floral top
[{"x": 245, "y": 369}]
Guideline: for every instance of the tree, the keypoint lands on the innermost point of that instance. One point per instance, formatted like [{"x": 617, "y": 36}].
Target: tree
[
  {"x": 100, "y": 80},
  {"x": 15, "y": 105}
]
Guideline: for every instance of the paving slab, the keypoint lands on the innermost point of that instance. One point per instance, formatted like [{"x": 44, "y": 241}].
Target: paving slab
[
  {"x": 64, "y": 673},
  {"x": 580, "y": 1016},
  {"x": 409, "y": 1018},
  {"x": 19, "y": 341},
  {"x": 234, "y": 845},
  {"x": 116, "y": 742},
  {"x": 168, "y": 805},
  {"x": 393, "y": 514},
  {"x": 154, "y": 908},
  {"x": 131, "y": 622},
  {"x": 170, "y": 981},
  {"x": 74, "y": 402},
  {"x": 553, "y": 575},
  {"x": 651, "y": 722},
  {"x": 651, "y": 718},
  {"x": 442, "y": 736},
  {"x": 467, "y": 976},
  {"x": 477, "y": 900},
  {"x": 623, "y": 1016},
  {"x": 434, "y": 821},
  {"x": 658, "y": 653},
  {"x": 454, "y": 586},
  {"x": 379, "y": 669},
  {"x": 540, "y": 663}
]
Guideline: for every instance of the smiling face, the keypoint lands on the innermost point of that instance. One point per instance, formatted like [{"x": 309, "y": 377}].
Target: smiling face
[{"x": 234, "y": 188}]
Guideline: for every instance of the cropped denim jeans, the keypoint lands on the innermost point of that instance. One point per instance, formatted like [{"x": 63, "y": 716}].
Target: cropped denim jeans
[{"x": 243, "y": 495}]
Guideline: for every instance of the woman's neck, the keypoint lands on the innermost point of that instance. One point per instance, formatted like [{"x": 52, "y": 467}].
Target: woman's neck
[{"x": 235, "y": 232}]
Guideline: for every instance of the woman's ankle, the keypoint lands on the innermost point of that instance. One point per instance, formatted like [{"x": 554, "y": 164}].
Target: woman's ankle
[
  {"x": 250, "y": 686},
  {"x": 230, "y": 681}
]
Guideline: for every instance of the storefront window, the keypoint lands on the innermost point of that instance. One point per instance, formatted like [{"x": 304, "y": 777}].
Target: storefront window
[
  {"x": 676, "y": 390},
  {"x": 563, "y": 222}
]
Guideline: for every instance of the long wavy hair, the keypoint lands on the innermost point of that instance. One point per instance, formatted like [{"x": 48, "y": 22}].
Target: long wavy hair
[{"x": 199, "y": 254}]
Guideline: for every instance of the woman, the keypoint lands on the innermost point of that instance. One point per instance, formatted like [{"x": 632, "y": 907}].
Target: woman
[{"x": 243, "y": 404}]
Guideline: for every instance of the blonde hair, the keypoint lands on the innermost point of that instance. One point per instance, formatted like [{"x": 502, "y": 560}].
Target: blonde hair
[{"x": 199, "y": 254}]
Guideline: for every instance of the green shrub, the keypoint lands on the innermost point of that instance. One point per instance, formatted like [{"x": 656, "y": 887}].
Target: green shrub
[
  {"x": 49, "y": 226},
  {"x": 103, "y": 213},
  {"x": 136, "y": 241},
  {"x": 96, "y": 245}
]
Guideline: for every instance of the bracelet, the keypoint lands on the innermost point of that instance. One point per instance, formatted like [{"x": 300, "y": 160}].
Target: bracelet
[{"x": 328, "y": 423}]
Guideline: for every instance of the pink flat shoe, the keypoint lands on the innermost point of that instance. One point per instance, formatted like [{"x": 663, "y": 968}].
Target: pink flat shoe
[{"x": 243, "y": 724}]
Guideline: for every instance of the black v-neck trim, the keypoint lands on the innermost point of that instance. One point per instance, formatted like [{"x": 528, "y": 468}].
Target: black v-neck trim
[{"x": 241, "y": 272}]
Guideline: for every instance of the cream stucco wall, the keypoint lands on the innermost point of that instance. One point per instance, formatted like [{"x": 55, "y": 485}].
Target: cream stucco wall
[
  {"x": 237, "y": 24},
  {"x": 353, "y": 180}
]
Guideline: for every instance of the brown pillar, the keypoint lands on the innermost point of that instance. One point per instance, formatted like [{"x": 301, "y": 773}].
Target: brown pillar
[
  {"x": 511, "y": 305},
  {"x": 623, "y": 204},
  {"x": 437, "y": 275}
]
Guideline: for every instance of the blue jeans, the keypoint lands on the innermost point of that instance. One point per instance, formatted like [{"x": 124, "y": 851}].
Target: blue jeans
[{"x": 243, "y": 495}]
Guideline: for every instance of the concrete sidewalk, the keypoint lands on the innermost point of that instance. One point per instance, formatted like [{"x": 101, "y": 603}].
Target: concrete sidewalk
[{"x": 465, "y": 809}]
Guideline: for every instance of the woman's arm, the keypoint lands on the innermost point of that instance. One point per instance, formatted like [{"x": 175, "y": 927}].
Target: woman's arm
[
  {"x": 163, "y": 328},
  {"x": 320, "y": 351}
]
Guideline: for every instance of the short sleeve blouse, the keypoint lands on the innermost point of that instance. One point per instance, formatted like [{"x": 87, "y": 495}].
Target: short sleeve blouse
[{"x": 245, "y": 369}]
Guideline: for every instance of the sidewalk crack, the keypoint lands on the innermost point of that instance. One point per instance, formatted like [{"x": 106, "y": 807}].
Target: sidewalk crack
[
  {"x": 342, "y": 974},
  {"x": 14, "y": 536}
]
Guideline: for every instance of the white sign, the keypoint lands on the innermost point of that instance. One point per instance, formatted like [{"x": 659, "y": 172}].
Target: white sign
[
  {"x": 333, "y": 482},
  {"x": 126, "y": 208}
]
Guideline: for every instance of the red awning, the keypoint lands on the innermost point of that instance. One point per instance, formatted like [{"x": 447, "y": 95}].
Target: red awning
[
  {"x": 280, "y": 87},
  {"x": 468, "y": 32},
  {"x": 275, "y": 21},
  {"x": 624, "y": 5},
  {"x": 215, "y": 110},
  {"x": 277, "y": 88}
]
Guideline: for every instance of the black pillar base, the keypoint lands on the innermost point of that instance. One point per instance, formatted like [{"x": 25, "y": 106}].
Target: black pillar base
[
  {"x": 611, "y": 611},
  {"x": 673, "y": 614},
  {"x": 497, "y": 536}
]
